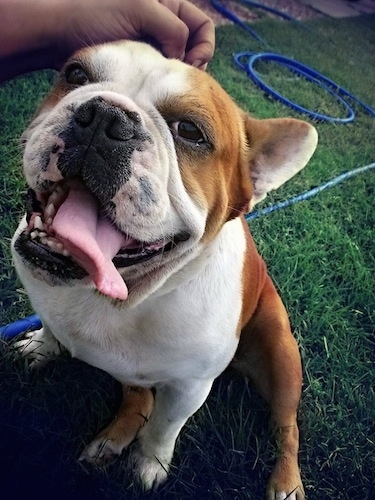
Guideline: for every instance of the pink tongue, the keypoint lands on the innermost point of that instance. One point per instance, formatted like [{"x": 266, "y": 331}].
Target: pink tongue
[{"x": 91, "y": 241}]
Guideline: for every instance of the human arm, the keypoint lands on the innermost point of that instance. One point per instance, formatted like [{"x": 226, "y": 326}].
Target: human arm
[{"x": 43, "y": 33}]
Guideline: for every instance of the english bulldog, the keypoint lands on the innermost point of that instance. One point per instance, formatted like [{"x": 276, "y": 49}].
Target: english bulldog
[{"x": 136, "y": 255}]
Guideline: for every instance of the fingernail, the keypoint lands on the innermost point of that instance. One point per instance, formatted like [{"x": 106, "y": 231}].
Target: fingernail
[{"x": 198, "y": 63}]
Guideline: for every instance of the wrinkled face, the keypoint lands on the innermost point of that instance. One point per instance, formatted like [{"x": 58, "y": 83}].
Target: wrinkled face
[{"x": 128, "y": 163}]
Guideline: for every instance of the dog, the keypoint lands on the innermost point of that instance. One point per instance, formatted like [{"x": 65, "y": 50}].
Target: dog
[{"x": 135, "y": 252}]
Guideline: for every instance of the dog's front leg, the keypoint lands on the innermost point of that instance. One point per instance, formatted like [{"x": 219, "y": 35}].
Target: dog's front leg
[{"x": 174, "y": 404}]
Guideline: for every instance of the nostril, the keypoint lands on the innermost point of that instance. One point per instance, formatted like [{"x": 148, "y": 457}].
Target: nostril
[
  {"x": 85, "y": 114},
  {"x": 119, "y": 129},
  {"x": 105, "y": 122}
]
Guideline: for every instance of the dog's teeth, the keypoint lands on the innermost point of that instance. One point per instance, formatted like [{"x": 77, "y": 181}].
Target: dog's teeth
[
  {"x": 59, "y": 247},
  {"x": 50, "y": 212},
  {"x": 54, "y": 197},
  {"x": 38, "y": 224},
  {"x": 52, "y": 243},
  {"x": 57, "y": 195}
]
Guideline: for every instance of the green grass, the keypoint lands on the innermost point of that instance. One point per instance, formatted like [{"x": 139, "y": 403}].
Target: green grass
[{"x": 321, "y": 256}]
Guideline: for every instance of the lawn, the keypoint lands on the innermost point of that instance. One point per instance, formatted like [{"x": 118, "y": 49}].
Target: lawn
[{"x": 321, "y": 255}]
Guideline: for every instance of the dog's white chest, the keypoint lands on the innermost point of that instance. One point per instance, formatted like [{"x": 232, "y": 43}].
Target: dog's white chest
[{"x": 187, "y": 328}]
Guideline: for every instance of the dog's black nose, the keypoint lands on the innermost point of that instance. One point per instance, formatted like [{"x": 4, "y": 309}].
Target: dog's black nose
[
  {"x": 99, "y": 144},
  {"x": 97, "y": 121}
]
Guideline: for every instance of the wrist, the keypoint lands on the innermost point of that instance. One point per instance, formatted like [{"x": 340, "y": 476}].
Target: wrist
[{"x": 30, "y": 27}]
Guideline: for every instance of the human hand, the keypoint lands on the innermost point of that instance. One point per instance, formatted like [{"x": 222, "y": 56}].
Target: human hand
[{"x": 177, "y": 27}]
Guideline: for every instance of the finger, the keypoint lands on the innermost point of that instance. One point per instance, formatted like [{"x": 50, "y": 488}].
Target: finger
[
  {"x": 200, "y": 55},
  {"x": 170, "y": 32},
  {"x": 201, "y": 42}
]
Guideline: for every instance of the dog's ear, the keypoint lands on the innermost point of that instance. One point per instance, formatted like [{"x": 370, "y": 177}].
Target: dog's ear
[{"x": 279, "y": 148}]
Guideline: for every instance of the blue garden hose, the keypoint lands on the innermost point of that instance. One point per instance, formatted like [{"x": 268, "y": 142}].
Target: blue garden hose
[
  {"x": 11, "y": 330},
  {"x": 247, "y": 60},
  {"x": 310, "y": 193},
  {"x": 300, "y": 69}
]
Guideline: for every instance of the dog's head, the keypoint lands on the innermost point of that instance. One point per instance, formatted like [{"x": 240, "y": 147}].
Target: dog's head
[{"x": 135, "y": 162}]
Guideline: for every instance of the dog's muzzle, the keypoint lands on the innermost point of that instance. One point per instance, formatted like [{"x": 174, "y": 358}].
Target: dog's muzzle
[{"x": 99, "y": 143}]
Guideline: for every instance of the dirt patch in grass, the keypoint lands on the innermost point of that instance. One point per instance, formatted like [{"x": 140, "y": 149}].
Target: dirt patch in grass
[{"x": 295, "y": 9}]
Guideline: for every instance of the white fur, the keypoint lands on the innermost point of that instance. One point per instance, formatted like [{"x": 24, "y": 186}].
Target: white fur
[{"x": 129, "y": 342}]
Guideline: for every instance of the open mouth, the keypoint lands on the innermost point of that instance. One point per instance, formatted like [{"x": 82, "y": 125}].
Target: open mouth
[{"x": 69, "y": 236}]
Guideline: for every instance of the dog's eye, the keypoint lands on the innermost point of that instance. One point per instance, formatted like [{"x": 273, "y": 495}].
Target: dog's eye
[
  {"x": 188, "y": 132},
  {"x": 76, "y": 75}
]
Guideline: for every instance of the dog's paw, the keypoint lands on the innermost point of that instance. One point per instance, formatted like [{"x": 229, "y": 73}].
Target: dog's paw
[
  {"x": 295, "y": 494},
  {"x": 151, "y": 472},
  {"x": 38, "y": 347},
  {"x": 118, "y": 435},
  {"x": 101, "y": 452},
  {"x": 285, "y": 482}
]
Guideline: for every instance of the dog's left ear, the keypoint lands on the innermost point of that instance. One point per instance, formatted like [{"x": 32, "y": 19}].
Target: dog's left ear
[{"x": 279, "y": 148}]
